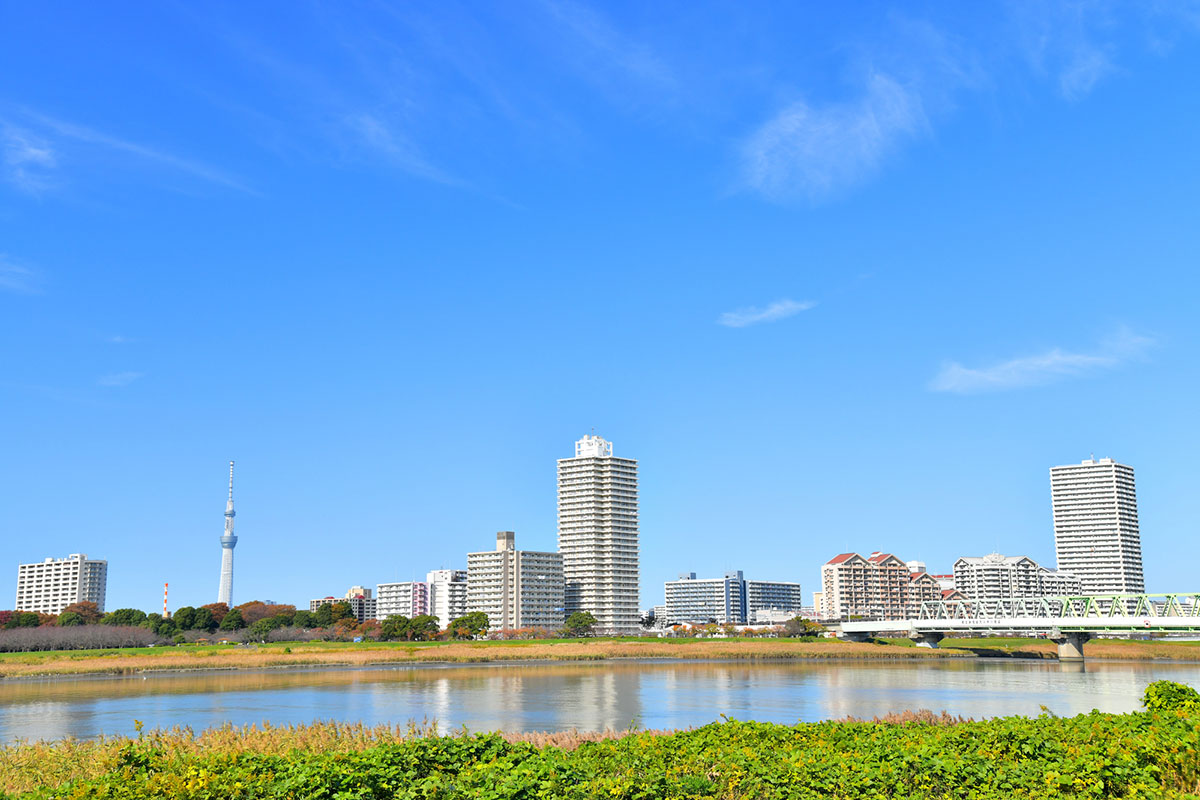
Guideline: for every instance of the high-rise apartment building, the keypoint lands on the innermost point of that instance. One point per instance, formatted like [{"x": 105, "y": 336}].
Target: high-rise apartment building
[
  {"x": 598, "y": 535},
  {"x": 49, "y": 586},
  {"x": 447, "y": 594},
  {"x": 1096, "y": 535},
  {"x": 731, "y": 599},
  {"x": 996, "y": 576},
  {"x": 515, "y": 588},
  {"x": 404, "y": 599}
]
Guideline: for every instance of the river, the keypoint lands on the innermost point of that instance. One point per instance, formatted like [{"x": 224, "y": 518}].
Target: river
[{"x": 561, "y": 696}]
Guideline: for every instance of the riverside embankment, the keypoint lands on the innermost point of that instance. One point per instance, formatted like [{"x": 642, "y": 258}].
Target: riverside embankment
[{"x": 363, "y": 654}]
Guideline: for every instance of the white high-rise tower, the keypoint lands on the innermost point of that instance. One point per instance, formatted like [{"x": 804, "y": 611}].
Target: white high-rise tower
[
  {"x": 228, "y": 542},
  {"x": 598, "y": 535},
  {"x": 1096, "y": 535}
]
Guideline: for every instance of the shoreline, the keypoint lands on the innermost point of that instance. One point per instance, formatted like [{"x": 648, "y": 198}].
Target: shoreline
[{"x": 24, "y": 667}]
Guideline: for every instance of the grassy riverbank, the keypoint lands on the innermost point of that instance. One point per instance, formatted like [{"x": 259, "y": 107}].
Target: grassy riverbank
[
  {"x": 133, "y": 660},
  {"x": 188, "y": 657},
  {"x": 1143, "y": 755}
]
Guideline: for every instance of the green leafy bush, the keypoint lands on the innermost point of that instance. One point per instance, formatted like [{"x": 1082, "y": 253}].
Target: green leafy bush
[
  {"x": 1141, "y": 755},
  {"x": 1171, "y": 696}
]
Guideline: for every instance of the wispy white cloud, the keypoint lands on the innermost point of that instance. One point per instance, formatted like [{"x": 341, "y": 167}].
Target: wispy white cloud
[
  {"x": 34, "y": 148},
  {"x": 118, "y": 339},
  {"x": 18, "y": 278},
  {"x": 390, "y": 142},
  {"x": 813, "y": 152},
  {"x": 752, "y": 315},
  {"x": 28, "y": 159},
  {"x": 119, "y": 378},
  {"x": 1054, "y": 364},
  {"x": 607, "y": 47}
]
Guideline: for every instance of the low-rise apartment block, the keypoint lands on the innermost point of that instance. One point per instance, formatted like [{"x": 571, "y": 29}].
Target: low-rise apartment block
[
  {"x": 515, "y": 588},
  {"x": 999, "y": 576},
  {"x": 731, "y": 599},
  {"x": 49, "y": 586},
  {"x": 362, "y": 604}
]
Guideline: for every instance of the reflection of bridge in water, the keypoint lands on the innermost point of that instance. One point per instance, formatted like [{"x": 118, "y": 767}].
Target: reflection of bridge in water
[{"x": 1067, "y": 621}]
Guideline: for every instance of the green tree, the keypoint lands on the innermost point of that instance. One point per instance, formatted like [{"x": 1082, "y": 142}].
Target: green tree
[
  {"x": 303, "y": 619},
  {"x": 69, "y": 619},
  {"x": 581, "y": 623},
  {"x": 799, "y": 626},
  {"x": 233, "y": 621},
  {"x": 23, "y": 619},
  {"x": 262, "y": 627},
  {"x": 395, "y": 628},
  {"x": 202, "y": 620},
  {"x": 184, "y": 618},
  {"x": 470, "y": 625},
  {"x": 323, "y": 616},
  {"x": 151, "y": 621},
  {"x": 124, "y": 616},
  {"x": 423, "y": 628}
]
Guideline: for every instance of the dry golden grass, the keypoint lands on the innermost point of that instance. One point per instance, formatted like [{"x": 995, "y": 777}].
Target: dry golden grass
[
  {"x": 27, "y": 766},
  {"x": 183, "y": 658}
]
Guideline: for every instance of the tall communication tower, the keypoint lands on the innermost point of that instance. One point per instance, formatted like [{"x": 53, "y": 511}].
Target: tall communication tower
[{"x": 228, "y": 542}]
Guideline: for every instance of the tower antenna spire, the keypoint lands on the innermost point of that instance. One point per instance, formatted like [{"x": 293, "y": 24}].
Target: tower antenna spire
[{"x": 231, "y": 481}]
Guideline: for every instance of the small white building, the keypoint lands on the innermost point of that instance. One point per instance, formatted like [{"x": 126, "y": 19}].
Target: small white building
[{"x": 1000, "y": 576}]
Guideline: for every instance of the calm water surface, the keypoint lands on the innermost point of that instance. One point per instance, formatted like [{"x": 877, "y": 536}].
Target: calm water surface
[{"x": 591, "y": 696}]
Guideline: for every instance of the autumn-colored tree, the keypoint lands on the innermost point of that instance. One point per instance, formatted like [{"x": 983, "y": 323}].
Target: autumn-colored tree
[
  {"x": 341, "y": 610},
  {"x": 255, "y": 610},
  {"x": 88, "y": 611},
  {"x": 218, "y": 611}
]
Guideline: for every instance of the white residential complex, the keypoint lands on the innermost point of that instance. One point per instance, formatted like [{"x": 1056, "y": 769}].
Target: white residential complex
[
  {"x": 49, "y": 586},
  {"x": 1096, "y": 533},
  {"x": 731, "y": 599},
  {"x": 998, "y": 576},
  {"x": 598, "y": 535},
  {"x": 447, "y": 594},
  {"x": 515, "y": 588},
  {"x": 404, "y": 599}
]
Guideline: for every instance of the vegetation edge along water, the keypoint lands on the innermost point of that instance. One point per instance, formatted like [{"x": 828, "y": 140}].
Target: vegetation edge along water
[{"x": 1150, "y": 754}]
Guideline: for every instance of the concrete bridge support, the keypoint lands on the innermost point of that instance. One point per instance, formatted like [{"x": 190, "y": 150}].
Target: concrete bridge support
[
  {"x": 930, "y": 639},
  {"x": 1070, "y": 645}
]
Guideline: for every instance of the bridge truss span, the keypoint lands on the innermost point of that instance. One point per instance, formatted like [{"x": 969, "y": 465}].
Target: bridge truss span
[{"x": 1104, "y": 609}]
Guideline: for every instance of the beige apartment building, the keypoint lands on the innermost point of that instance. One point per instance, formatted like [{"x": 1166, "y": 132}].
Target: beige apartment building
[
  {"x": 515, "y": 588},
  {"x": 878, "y": 586}
]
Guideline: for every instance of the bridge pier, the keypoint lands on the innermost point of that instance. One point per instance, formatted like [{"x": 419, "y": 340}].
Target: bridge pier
[
  {"x": 1070, "y": 645},
  {"x": 927, "y": 638}
]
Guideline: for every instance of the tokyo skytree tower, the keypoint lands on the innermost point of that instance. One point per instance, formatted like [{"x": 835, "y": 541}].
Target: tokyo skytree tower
[{"x": 228, "y": 542}]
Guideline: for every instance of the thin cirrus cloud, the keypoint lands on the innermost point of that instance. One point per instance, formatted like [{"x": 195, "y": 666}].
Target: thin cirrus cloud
[
  {"x": 33, "y": 153},
  {"x": 1052, "y": 365},
  {"x": 16, "y": 277},
  {"x": 116, "y": 379},
  {"x": 752, "y": 315},
  {"x": 815, "y": 151},
  {"x": 27, "y": 158}
]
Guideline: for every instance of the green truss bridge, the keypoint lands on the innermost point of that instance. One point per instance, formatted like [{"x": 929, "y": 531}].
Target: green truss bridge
[{"x": 1068, "y": 621}]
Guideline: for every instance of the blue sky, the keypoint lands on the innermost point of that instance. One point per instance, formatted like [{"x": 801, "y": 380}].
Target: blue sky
[{"x": 840, "y": 278}]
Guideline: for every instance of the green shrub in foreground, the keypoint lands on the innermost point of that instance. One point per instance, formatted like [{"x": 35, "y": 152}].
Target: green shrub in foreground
[
  {"x": 1142, "y": 755},
  {"x": 1171, "y": 696}
]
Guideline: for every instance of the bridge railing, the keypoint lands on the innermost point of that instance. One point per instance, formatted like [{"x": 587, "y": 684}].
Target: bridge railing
[{"x": 1102, "y": 606}]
